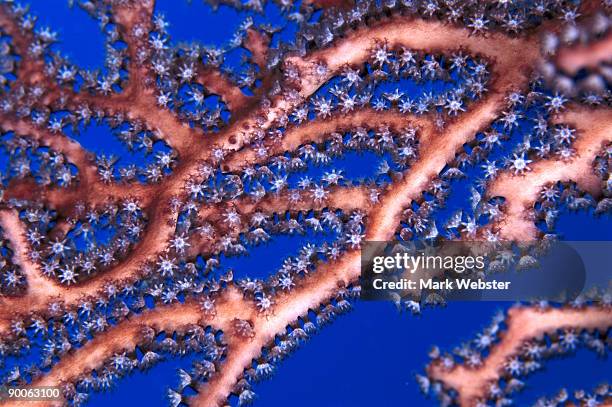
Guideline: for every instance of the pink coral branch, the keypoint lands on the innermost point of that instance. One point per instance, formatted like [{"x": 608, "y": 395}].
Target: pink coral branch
[
  {"x": 522, "y": 191},
  {"x": 523, "y": 324}
]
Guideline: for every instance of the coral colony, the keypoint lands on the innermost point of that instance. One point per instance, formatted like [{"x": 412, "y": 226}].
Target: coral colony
[{"x": 153, "y": 290}]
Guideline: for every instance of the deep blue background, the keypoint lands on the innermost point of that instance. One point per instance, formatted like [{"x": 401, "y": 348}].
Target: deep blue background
[{"x": 365, "y": 358}]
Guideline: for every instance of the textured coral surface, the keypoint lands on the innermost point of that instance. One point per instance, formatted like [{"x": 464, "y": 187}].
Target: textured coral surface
[{"x": 109, "y": 266}]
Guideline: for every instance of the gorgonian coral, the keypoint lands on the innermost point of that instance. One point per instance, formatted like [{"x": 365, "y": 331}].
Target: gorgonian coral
[{"x": 86, "y": 243}]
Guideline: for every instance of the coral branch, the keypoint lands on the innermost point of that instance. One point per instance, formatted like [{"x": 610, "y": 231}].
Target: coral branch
[
  {"x": 523, "y": 324},
  {"x": 594, "y": 129},
  {"x": 573, "y": 59},
  {"x": 31, "y": 67},
  {"x": 14, "y": 231},
  {"x": 134, "y": 21},
  {"x": 217, "y": 83},
  {"x": 257, "y": 43},
  {"x": 317, "y": 131},
  {"x": 127, "y": 271},
  {"x": 314, "y": 290}
]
